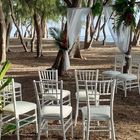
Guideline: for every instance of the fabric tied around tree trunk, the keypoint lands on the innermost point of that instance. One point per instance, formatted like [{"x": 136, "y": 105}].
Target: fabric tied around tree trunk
[
  {"x": 121, "y": 37},
  {"x": 74, "y": 20}
]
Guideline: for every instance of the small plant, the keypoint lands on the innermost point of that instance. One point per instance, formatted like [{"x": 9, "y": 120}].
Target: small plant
[
  {"x": 3, "y": 71},
  {"x": 125, "y": 13},
  {"x": 60, "y": 38}
]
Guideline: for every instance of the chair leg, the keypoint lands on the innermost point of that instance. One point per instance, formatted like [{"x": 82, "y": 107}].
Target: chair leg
[
  {"x": 77, "y": 111},
  {"x": 83, "y": 123},
  {"x": 63, "y": 129},
  {"x": 46, "y": 123},
  {"x": 125, "y": 90},
  {"x": 17, "y": 128},
  {"x": 71, "y": 127},
  {"x": 39, "y": 129},
  {"x": 112, "y": 130},
  {"x": 139, "y": 88},
  {"x": 36, "y": 123},
  {"x": 0, "y": 125},
  {"x": 87, "y": 129}
]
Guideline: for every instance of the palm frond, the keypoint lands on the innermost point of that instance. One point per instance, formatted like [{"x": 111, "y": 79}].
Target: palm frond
[
  {"x": 59, "y": 37},
  {"x": 125, "y": 13},
  {"x": 97, "y": 8},
  {"x": 4, "y": 69},
  {"x": 8, "y": 80}
]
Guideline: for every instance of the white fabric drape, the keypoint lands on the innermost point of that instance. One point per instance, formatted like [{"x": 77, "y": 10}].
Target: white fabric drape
[
  {"x": 74, "y": 19},
  {"x": 123, "y": 38}
]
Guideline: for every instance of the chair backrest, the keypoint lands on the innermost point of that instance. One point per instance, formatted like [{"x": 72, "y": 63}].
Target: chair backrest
[
  {"x": 135, "y": 69},
  {"x": 48, "y": 74},
  {"x": 104, "y": 89},
  {"x": 7, "y": 95},
  {"x": 50, "y": 95},
  {"x": 82, "y": 75},
  {"x": 119, "y": 62}
]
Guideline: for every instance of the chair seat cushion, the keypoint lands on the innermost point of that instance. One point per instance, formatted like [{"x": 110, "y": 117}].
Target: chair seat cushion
[
  {"x": 101, "y": 112},
  {"x": 21, "y": 107},
  {"x": 54, "y": 111},
  {"x": 111, "y": 73},
  {"x": 82, "y": 95},
  {"x": 127, "y": 77},
  {"x": 52, "y": 94}
]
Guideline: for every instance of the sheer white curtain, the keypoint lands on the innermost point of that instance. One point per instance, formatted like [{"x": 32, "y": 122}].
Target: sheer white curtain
[
  {"x": 74, "y": 19},
  {"x": 122, "y": 38}
]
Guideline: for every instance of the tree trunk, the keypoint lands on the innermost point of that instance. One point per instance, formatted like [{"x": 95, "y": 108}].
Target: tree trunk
[
  {"x": 2, "y": 36},
  {"x": 75, "y": 51},
  {"x": 43, "y": 26},
  {"x": 13, "y": 18},
  {"x": 33, "y": 42},
  {"x": 136, "y": 35},
  {"x": 127, "y": 56},
  {"x": 37, "y": 22},
  {"x": 87, "y": 32},
  {"x": 8, "y": 31},
  {"x": 88, "y": 27},
  {"x": 104, "y": 33},
  {"x": 59, "y": 62}
]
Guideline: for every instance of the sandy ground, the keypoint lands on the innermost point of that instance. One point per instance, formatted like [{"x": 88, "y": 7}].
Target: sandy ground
[{"x": 126, "y": 110}]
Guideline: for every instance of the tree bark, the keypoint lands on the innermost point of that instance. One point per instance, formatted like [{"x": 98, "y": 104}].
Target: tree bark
[
  {"x": 136, "y": 35},
  {"x": 43, "y": 26},
  {"x": 13, "y": 18},
  {"x": 89, "y": 28},
  {"x": 75, "y": 51},
  {"x": 33, "y": 42},
  {"x": 59, "y": 62},
  {"x": 8, "y": 22},
  {"x": 127, "y": 56},
  {"x": 2, "y": 36},
  {"x": 37, "y": 22}
]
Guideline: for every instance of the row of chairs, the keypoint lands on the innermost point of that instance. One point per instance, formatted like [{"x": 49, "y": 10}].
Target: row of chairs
[
  {"x": 53, "y": 103},
  {"x": 128, "y": 80},
  {"x": 90, "y": 91},
  {"x": 94, "y": 98}
]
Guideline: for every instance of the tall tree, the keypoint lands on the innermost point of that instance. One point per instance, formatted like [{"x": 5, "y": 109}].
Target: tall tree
[
  {"x": 2, "y": 35},
  {"x": 41, "y": 11},
  {"x": 14, "y": 20},
  {"x": 125, "y": 14}
]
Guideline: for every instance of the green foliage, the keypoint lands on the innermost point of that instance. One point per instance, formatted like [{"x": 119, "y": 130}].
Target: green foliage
[
  {"x": 59, "y": 36},
  {"x": 11, "y": 128},
  {"x": 8, "y": 80},
  {"x": 97, "y": 8},
  {"x": 3, "y": 71},
  {"x": 125, "y": 13}
]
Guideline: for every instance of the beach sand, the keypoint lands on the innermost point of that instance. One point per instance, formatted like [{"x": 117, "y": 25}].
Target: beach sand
[{"x": 24, "y": 67}]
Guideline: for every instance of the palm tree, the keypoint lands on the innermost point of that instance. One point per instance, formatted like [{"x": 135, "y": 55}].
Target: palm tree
[
  {"x": 2, "y": 35},
  {"x": 60, "y": 37},
  {"x": 125, "y": 14},
  {"x": 3, "y": 71}
]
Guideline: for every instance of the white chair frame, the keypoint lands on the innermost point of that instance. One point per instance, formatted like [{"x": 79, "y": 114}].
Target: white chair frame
[
  {"x": 51, "y": 108},
  {"x": 129, "y": 80},
  {"x": 99, "y": 113},
  {"x": 16, "y": 111},
  {"x": 80, "y": 77},
  {"x": 118, "y": 68},
  {"x": 52, "y": 75}
]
